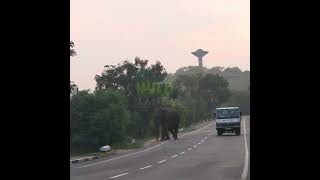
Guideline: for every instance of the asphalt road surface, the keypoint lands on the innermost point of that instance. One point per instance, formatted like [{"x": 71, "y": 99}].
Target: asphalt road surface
[{"x": 199, "y": 154}]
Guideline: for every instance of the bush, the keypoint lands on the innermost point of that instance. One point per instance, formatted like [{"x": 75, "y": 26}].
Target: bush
[{"x": 97, "y": 119}]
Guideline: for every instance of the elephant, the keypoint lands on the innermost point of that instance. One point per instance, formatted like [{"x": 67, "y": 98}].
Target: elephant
[{"x": 166, "y": 119}]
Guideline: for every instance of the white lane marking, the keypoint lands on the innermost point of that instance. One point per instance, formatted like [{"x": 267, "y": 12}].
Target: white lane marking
[
  {"x": 162, "y": 161},
  {"x": 118, "y": 175},
  {"x": 195, "y": 146},
  {"x": 202, "y": 140},
  {"x": 192, "y": 132},
  {"x": 199, "y": 143},
  {"x": 123, "y": 156},
  {"x": 142, "y": 150},
  {"x": 174, "y": 156},
  {"x": 145, "y": 167},
  {"x": 182, "y": 152},
  {"x": 189, "y": 149},
  {"x": 245, "y": 168}
]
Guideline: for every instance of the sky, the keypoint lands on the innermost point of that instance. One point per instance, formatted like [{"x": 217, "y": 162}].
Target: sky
[{"x": 106, "y": 32}]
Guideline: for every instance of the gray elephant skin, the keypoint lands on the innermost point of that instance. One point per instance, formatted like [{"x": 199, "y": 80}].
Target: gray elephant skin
[{"x": 166, "y": 119}]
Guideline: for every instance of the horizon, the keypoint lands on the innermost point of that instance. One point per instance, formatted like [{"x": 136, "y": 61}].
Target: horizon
[
  {"x": 109, "y": 32},
  {"x": 171, "y": 73}
]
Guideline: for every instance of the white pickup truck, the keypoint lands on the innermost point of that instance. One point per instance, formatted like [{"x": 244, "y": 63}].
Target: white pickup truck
[{"x": 228, "y": 119}]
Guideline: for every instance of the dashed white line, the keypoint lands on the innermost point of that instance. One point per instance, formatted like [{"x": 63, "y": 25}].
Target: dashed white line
[
  {"x": 122, "y": 156},
  {"x": 145, "y": 167},
  {"x": 202, "y": 140},
  {"x": 182, "y": 152},
  {"x": 195, "y": 146},
  {"x": 199, "y": 143},
  {"x": 118, "y": 175},
  {"x": 142, "y": 150},
  {"x": 174, "y": 156},
  {"x": 193, "y": 132},
  {"x": 189, "y": 149},
  {"x": 162, "y": 161}
]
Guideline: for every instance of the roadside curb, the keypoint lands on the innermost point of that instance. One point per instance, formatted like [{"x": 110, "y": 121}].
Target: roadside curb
[{"x": 83, "y": 159}]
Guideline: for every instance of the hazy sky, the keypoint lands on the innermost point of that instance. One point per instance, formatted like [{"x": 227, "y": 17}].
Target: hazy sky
[{"x": 110, "y": 31}]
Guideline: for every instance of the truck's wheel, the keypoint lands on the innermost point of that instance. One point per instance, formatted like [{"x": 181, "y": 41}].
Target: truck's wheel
[{"x": 219, "y": 132}]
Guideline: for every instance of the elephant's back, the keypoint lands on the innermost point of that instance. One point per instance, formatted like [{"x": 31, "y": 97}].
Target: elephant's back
[
  {"x": 173, "y": 119},
  {"x": 170, "y": 113}
]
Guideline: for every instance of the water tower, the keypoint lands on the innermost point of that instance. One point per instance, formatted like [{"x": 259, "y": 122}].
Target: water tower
[{"x": 200, "y": 53}]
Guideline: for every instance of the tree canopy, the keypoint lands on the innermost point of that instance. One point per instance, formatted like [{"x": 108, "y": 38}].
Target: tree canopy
[
  {"x": 121, "y": 105},
  {"x": 72, "y": 51}
]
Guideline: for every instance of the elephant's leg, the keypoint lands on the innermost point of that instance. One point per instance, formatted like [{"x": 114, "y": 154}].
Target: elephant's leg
[
  {"x": 163, "y": 134},
  {"x": 165, "y": 130},
  {"x": 167, "y": 135},
  {"x": 176, "y": 133},
  {"x": 172, "y": 132},
  {"x": 177, "y": 125},
  {"x": 157, "y": 134}
]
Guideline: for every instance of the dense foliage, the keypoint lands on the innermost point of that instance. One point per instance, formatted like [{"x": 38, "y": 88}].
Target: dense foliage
[
  {"x": 121, "y": 107},
  {"x": 97, "y": 119}
]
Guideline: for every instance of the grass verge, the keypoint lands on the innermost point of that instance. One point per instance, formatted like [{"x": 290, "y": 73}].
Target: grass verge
[{"x": 125, "y": 146}]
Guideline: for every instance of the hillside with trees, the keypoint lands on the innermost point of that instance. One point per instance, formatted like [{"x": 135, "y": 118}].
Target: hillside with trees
[
  {"x": 238, "y": 80},
  {"x": 121, "y": 106}
]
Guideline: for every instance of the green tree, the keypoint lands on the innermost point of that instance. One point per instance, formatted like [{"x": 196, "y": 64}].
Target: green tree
[
  {"x": 240, "y": 99},
  {"x": 73, "y": 86},
  {"x": 134, "y": 78},
  {"x": 97, "y": 119},
  {"x": 127, "y": 75},
  {"x": 189, "y": 97},
  {"x": 200, "y": 94},
  {"x": 238, "y": 80},
  {"x": 214, "y": 87},
  {"x": 72, "y": 51}
]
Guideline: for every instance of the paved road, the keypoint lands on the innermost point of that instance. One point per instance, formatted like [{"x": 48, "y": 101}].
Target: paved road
[
  {"x": 200, "y": 154},
  {"x": 248, "y": 142}
]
